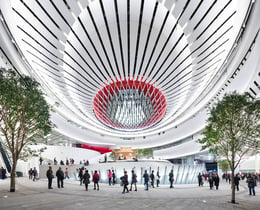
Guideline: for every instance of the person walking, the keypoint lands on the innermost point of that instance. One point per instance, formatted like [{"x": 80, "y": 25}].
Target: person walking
[
  {"x": 171, "y": 178},
  {"x": 81, "y": 175},
  {"x": 200, "y": 180},
  {"x": 114, "y": 177},
  {"x": 86, "y": 179},
  {"x": 251, "y": 184},
  {"x": 146, "y": 179},
  {"x": 152, "y": 178},
  {"x": 30, "y": 172},
  {"x": 34, "y": 173},
  {"x": 134, "y": 180},
  {"x": 50, "y": 176},
  {"x": 157, "y": 179},
  {"x": 96, "y": 179},
  {"x": 110, "y": 175},
  {"x": 66, "y": 173},
  {"x": 60, "y": 177},
  {"x": 124, "y": 180},
  {"x": 216, "y": 181},
  {"x": 210, "y": 181},
  {"x": 236, "y": 181}
]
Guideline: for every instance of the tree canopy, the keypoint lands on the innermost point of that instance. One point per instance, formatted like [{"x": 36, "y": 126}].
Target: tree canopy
[{"x": 24, "y": 113}]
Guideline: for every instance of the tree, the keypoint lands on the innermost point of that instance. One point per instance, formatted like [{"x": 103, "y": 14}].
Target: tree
[
  {"x": 113, "y": 156},
  {"x": 223, "y": 165},
  {"x": 147, "y": 152},
  {"x": 24, "y": 115},
  {"x": 232, "y": 129}
]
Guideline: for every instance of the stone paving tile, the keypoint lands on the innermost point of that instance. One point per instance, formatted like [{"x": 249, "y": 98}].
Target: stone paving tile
[{"x": 31, "y": 195}]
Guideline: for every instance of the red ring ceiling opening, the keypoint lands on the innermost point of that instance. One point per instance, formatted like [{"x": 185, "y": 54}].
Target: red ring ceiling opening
[{"x": 102, "y": 101}]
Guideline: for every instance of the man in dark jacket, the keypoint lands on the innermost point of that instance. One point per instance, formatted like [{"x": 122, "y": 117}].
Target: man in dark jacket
[
  {"x": 146, "y": 179},
  {"x": 50, "y": 176},
  {"x": 133, "y": 182},
  {"x": 171, "y": 178},
  {"x": 60, "y": 177},
  {"x": 236, "y": 181},
  {"x": 124, "y": 180},
  {"x": 251, "y": 184},
  {"x": 152, "y": 178}
]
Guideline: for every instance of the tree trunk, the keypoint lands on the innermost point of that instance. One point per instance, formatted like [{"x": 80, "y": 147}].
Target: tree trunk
[
  {"x": 13, "y": 174},
  {"x": 233, "y": 186}
]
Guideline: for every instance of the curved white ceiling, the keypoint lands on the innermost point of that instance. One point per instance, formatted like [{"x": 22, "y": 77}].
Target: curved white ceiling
[{"x": 76, "y": 48}]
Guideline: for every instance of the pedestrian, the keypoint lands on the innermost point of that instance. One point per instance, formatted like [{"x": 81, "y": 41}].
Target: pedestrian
[
  {"x": 134, "y": 180},
  {"x": 81, "y": 170},
  {"x": 157, "y": 179},
  {"x": 35, "y": 174},
  {"x": 3, "y": 172},
  {"x": 50, "y": 176},
  {"x": 114, "y": 177},
  {"x": 152, "y": 178},
  {"x": 60, "y": 177},
  {"x": 216, "y": 181},
  {"x": 86, "y": 179},
  {"x": 251, "y": 184},
  {"x": 236, "y": 181},
  {"x": 66, "y": 173},
  {"x": 171, "y": 178},
  {"x": 96, "y": 179},
  {"x": 124, "y": 180},
  {"x": 146, "y": 179},
  {"x": 30, "y": 172},
  {"x": 110, "y": 176},
  {"x": 210, "y": 181},
  {"x": 200, "y": 179}
]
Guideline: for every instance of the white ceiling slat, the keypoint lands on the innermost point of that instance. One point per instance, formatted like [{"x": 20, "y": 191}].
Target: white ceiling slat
[
  {"x": 45, "y": 19},
  {"x": 112, "y": 24},
  {"x": 146, "y": 21},
  {"x": 74, "y": 6},
  {"x": 197, "y": 17},
  {"x": 55, "y": 15},
  {"x": 169, "y": 4},
  {"x": 188, "y": 12},
  {"x": 65, "y": 11}
]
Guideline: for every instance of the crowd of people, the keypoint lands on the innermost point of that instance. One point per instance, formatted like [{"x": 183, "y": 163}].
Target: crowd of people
[
  {"x": 84, "y": 177},
  {"x": 213, "y": 180}
]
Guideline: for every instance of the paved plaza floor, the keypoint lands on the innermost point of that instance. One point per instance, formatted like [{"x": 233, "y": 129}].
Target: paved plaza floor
[{"x": 35, "y": 195}]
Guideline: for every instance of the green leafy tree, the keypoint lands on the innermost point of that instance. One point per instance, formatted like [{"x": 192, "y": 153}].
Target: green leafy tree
[
  {"x": 232, "y": 130},
  {"x": 24, "y": 115},
  {"x": 113, "y": 156},
  {"x": 223, "y": 165},
  {"x": 147, "y": 152}
]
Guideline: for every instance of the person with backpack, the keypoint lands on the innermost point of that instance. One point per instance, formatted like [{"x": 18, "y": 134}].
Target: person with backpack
[{"x": 96, "y": 179}]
